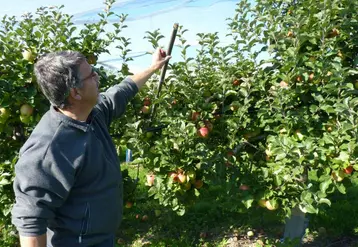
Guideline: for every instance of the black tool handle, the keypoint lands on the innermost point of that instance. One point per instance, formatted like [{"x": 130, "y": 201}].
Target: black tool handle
[{"x": 165, "y": 66}]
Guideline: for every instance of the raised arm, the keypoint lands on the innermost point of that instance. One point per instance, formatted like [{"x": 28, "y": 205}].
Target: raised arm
[
  {"x": 158, "y": 60},
  {"x": 113, "y": 102}
]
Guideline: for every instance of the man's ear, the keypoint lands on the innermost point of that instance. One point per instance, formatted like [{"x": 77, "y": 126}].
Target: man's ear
[{"x": 74, "y": 94}]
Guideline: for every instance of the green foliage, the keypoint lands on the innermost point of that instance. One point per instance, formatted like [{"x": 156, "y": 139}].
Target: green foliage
[
  {"x": 280, "y": 131},
  {"x": 288, "y": 122},
  {"x": 22, "y": 41}
]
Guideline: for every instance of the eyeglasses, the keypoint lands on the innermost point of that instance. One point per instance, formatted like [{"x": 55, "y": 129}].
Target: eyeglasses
[{"x": 92, "y": 74}]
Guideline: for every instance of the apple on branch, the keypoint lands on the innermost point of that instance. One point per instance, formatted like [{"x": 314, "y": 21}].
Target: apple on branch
[
  {"x": 26, "y": 110},
  {"x": 145, "y": 109},
  {"x": 203, "y": 132},
  {"x": 150, "y": 179}
]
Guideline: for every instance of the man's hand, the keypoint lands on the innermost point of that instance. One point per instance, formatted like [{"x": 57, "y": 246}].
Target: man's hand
[
  {"x": 39, "y": 241},
  {"x": 159, "y": 58}
]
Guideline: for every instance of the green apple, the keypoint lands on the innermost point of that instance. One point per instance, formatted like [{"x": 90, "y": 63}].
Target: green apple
[
  {"x": 25, "y": 119},
  {"x": 299, "y": 135},
  {"x": 262, "y": 203},
  {"x": 182, "y": 178},
  {"x": 338, "y": 176},
  {"x": 250, "y": 234},
  {"x": 26, "y": 110},
  {"x": 4, "y": 115},
  {"x": 271, "y": 205},
  {"x": 157, "y": 212},
  {"x": 356, "y": 84},
  {"x": 192, "y": 175},
  {"x": 145, "y": 109},
  {"x": 187, "y": 186},
  {"x": 150, "y": 179},
  {"x": 28, "y": 55}
]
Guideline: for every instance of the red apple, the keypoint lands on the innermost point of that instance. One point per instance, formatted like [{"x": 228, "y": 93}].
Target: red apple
[
  {"x": 244, "y": 187},
  {"x": 283, "y": 84},
  {"x": 311, "y": 76},
  {"x": 120, "y": 241},
  {"x": 230, "y": 153},
  {"x": 198, "y": 184},
  {"x": 146, "y": 101},
  {"x": 145, "y": 217},
  {"x": 174, "y": 176},
  {"x": 236, "y": 83},
  {"x": 348, "y": 170},
  {"x": 203, "y": 132},
  {"x": 129, "y": 204},
  {"x": 333, "y": 33},
  {"x": 195, "y": 116}
]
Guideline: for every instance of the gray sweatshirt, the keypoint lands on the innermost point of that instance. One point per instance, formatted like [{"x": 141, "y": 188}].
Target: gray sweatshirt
[{"x": 68, "y": 182}]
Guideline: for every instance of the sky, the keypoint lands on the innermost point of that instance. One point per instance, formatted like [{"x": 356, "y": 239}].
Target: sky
[{"x": 198, "y": 16}]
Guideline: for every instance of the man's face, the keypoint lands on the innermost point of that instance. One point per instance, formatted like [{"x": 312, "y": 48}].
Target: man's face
[{"x": 90, "y": 79}]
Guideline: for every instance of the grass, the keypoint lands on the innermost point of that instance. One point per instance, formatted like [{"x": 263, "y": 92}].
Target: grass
[
  {"x": 208, "y": 223},
  {"x": 211, "y": 223}
]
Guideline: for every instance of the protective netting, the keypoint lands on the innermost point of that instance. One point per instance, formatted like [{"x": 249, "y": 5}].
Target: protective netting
[{"x": 198, "y": 16}]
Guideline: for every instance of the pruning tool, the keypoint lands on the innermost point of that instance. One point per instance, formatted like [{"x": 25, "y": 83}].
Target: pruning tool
[{"x": 161, "y": 81}]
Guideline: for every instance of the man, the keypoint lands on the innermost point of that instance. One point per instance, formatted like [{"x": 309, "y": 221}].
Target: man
[{"x": 68, "y": 184}]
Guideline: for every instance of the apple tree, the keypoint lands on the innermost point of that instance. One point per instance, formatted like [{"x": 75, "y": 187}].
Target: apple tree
[
  {"x": 280, "y": 131},
  {"x": 22, "y": 41}
]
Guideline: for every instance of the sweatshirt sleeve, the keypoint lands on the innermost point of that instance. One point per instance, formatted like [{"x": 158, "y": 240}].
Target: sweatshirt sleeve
[
  {"x": 43, "y": 179},
  {"x": 113, "y": 102}
]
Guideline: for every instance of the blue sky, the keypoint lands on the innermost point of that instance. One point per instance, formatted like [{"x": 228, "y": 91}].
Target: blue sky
[{"x": 198, "y": 16}]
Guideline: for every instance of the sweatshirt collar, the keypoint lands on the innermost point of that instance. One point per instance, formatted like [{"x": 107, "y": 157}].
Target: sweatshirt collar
[{"x": 84, "y": 126}]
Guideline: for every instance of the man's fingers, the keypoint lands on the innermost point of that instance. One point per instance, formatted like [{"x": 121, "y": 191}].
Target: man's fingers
[
  {"x": 167, "y": 58},
  {"x": 162, "y": 53}
]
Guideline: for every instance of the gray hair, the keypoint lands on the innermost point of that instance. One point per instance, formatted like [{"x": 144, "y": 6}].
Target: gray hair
[{"x": 57, "y": 73}]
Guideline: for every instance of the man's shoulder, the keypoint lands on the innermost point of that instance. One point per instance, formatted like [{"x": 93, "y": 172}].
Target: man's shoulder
[{"x": 50, "y": 131}]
